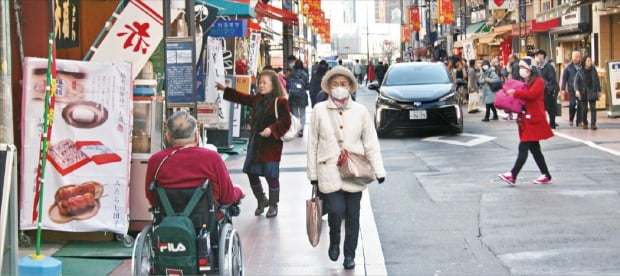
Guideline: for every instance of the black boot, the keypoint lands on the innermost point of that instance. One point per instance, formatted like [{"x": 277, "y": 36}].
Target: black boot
[
  {"x": 263, "y": 202},
  {"x": 274, "y": 198}
]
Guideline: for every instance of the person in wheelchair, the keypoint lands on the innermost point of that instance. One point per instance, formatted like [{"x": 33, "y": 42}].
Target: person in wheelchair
[{"x": 187, "y": 167}]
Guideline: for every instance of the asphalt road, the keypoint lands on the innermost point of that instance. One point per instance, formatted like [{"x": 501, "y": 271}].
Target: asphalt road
[{"x": 442, "y": 211}]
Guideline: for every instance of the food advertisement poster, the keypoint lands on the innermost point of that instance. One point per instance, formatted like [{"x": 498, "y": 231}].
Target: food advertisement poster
[
  {"x": 87, "y": 164},
  {"x": 613, "y": 67}
]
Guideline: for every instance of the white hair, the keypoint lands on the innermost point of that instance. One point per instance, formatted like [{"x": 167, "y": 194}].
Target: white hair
[{"x": 576, "y": 53}]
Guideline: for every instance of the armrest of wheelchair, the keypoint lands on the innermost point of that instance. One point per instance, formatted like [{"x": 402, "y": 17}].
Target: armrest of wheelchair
[{"x": 232, "y": 208}]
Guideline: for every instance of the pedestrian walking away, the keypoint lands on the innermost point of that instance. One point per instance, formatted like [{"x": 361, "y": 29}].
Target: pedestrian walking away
[
  {"x": 532, "y": 123},
  {"x": 370, "y": 73},
  {"x": 588, "y": 91},
  {"x": 552, "y": 88},
  {"x": 336, "y": 123},
  {"x": 264, "y": 146},
  {"x": 568, "y": 86},
  {"x": 297, "y": 87},
  {"x": 357, "y": 71},
  {"x": 472, "y": 85},
  {"x": 488, "y": 96}
]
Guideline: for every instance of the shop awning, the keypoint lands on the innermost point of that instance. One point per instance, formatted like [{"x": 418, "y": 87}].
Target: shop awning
[
  {"x": 571, "y": 28},
  {"x": 239, "y": 8},
  {"x": 476, "y": 28},
  {"x": 272, "y": 12},
  {"x": 544, "y": 26},
  {"x": 487, "y": 38}
]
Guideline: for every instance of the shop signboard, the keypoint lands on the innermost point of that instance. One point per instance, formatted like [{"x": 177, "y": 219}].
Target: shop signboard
[
  {"x": 613, "y": 75},
  {"x": 87, "y": 169},
  {"x": 229, "y": 28}
]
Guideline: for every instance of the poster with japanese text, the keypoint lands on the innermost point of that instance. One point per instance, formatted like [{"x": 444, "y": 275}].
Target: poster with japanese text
[{"x": 87, "y": 164}]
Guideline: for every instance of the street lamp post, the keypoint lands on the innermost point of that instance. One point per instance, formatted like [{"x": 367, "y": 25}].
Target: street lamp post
[{"x": 367, "y": 34}]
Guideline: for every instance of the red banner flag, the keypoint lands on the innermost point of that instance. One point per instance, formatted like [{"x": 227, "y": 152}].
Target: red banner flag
[
  {"x": 414, "y": 19},
  {"x": 405, "y": 34},
  {"x": 446, "y": 12}
]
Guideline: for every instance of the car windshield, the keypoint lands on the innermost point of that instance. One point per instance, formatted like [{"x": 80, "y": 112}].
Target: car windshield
[{"x": 411, "y": 75}]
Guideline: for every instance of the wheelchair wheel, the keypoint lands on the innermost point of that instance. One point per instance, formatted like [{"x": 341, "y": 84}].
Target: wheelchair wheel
[
  {"x": 142, "y": 255},
  {"x": 230, "y": 255}
]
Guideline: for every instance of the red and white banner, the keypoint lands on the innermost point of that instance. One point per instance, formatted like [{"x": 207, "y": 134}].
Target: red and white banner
[
  {"x": 138, "y": 30},
  {"x": 414, "y": 19},
  {"x": 87, "y": 170},
  {"x": 500, "y": 4}
]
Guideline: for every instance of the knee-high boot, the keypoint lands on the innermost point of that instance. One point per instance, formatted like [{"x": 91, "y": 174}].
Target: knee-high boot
[
  {"x": 274, "y": 198},
  {"x": 263, "y": 202}
]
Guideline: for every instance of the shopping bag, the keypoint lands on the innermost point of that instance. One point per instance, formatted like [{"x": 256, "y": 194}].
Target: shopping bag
[{"x": 314, "y": 212}]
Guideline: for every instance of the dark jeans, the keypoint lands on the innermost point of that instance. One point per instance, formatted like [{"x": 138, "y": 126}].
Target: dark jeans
[
  {"x": 534, "y": 147},
  {"x": 344, "y": 205},
  {"x": 584, "y": 112},
  {"x": 574, "y": 109},
  {"x": 490, "y": 107},
  {"x": 551, "y": 106}
]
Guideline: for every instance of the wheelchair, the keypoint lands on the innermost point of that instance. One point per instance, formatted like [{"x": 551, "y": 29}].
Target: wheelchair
[{"x": 219, "y": 250}]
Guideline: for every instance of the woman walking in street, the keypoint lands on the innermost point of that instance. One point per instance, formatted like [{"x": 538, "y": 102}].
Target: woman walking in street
[
  {"x": 336, "y": 123},
  {"x": 532, "y": 123},
  {"x": 588, "y": 90},
  {"x": 488, "y": 96},
  {"x": 370, "y": 73},
  {"x": 264, "y": 147}
]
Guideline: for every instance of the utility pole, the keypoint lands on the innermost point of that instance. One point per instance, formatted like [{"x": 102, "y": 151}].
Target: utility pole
[{"x": 287, "y": 33}]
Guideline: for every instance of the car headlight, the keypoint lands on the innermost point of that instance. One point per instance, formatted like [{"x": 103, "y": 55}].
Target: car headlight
[
  {"x": 447, "y": 97},
  {"x": 385, "y": 99}
]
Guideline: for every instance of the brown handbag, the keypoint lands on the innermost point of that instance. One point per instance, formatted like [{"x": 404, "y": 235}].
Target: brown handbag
[
  {"x": 314, "y": 212},
  {"x": 353, "y": 167}
]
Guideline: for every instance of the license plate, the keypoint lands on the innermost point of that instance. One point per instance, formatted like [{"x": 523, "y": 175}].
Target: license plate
[{"x": 417, "y": 114}]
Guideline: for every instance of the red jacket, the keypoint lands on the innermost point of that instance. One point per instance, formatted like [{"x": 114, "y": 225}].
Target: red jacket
[
  {"x": 189, "y": 168},
  {"x": 533, "y": 125},
  {"x": 266, "y": 149}
]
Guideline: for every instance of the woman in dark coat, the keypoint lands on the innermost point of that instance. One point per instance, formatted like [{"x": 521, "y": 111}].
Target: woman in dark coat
[
  {"x": 264, "y": 147},
  {"x": 533, "y": 125},
  {"x": 588, "y": 90}
]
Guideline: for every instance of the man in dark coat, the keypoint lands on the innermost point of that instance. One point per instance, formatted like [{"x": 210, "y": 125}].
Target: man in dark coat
[
  {"x": 380, "y": 72},
  {"x": 552, "y": 88},
  {"x": 568, "y": 81}
]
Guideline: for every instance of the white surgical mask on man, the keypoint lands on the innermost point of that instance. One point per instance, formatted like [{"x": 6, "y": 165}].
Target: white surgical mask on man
[
  {"x": 524, "y": 73},
  {"x": 485, "y": 67},
  {"x": 339, "y": 93}
]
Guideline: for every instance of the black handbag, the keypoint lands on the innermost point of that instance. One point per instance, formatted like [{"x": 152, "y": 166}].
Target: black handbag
[{"x": 495, "y": 86}]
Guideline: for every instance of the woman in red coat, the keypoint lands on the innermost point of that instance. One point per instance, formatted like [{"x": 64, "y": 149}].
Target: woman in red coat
[
  {"x": 533, "y": 125},
  {"x": 370, "y": 73},
  {"x": 264, "y": 147}
]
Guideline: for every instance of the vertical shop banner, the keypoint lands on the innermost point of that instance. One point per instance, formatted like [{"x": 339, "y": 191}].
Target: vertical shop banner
[
  {"x": 242, "y": 84},
  {"x": 469, "y": 51},
  {"x": 87, "y": 175},
  {"x": 217, "y": 73},
  {"x": 134, "y": 36},
  {"x": 253, "y": 55},
  {"x": 613, "y": 69},
  {"x": 405, "y": 34},
  {"x": 66, "y": 23},
  {"x": 414, "y": 19},
  {"x": 446, "y": 12}
]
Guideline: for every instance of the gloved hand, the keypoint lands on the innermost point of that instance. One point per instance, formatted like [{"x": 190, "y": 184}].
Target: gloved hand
[
  {"x": 381, "y": 179},
  {"x": 314, "y": 182}
]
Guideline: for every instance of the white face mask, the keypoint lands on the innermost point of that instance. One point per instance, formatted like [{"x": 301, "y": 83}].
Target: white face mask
[
  {"x": 524, "y": 73},
  {"x": 340, "y": 93},
  {"x": 485, "y": 67}
]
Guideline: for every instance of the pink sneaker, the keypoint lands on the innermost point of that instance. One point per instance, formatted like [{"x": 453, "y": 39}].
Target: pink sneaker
[
  {"x": 542, "y": 179},
  {"x": 507, "y": 177}
]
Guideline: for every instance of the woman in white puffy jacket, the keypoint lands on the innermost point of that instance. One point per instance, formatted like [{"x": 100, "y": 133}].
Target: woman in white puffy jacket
[{"x": 352, "y": 121}]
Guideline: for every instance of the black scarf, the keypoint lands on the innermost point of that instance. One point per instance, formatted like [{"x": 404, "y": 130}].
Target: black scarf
[
  {"x": 588, "y": 80},
  {"x": 261, "y": 109}
]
